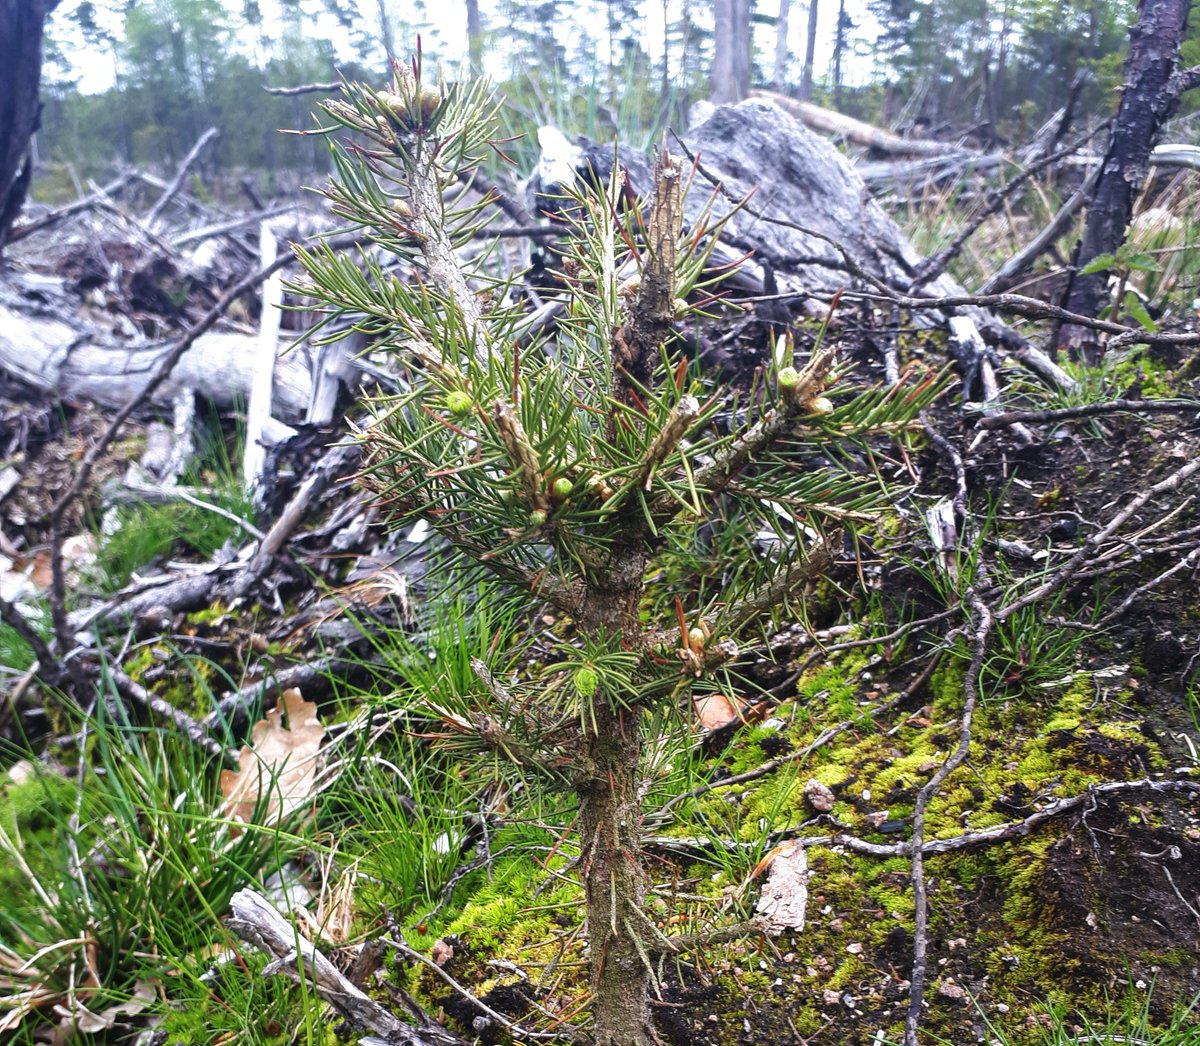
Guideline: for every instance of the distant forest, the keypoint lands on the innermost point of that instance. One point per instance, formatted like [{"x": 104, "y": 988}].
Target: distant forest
[{"x": 989, "y": 69}]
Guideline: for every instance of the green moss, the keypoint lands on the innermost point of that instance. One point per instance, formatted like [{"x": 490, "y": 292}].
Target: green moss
[
  {"x": 210, "y": 615},
  {"x": 184, "y": 682},
  {"x": 32, "y": 814}
]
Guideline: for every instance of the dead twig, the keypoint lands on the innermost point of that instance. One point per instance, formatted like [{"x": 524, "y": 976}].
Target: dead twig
[
  {"x": 331, "y": 87},
  {"x": 167, "y": 363},
  {"x": 165, "y": 712},
  {"x": 979, "y": 643},
  {"x": 256, "y": 922},
  {"x": 82, "y": 204},
  {"x": 1001, "y": 833},
  {"x": 176, "y": 183},
  {"x": 222, "y": 228},
  {"x": 510, "y": 1026},
  {"x": 1093, "y": 541},
  {"x": 160, "y": 374},
  {"x": 1091, "y": 410},
  {"x": 1006, "y": 275},
  {"x": 1188, "y": 562},
  {"x": 936, "y": 264}
]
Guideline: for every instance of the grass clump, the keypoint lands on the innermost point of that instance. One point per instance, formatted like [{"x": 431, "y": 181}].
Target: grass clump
[
  {"x": 133, "y": 536},
  {"x": 115, "y": 874}
]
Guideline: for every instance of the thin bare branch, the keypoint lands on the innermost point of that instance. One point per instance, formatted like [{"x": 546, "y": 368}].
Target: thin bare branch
[
  {"x": 1090, "y": 410},
  {"x": 177, "y": 182}
]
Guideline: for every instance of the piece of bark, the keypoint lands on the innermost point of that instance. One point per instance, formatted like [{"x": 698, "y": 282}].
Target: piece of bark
[{"x": 176, "y": 183}]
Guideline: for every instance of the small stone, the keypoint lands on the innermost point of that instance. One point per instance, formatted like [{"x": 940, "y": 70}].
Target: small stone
[
  {"x": 950, "y": 990},
  {"x": 830, "y": 998},
  {"x": 819, "y": 797},
  {"x": 854, "y": 949},
  {"x": 1002, "y": 1007},
  {"x": 836, "y": 925}
]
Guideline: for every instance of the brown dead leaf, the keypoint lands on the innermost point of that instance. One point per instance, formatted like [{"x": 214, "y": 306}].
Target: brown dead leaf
[
  {"x": 784, "y": 898},
  {"x": 78, "y": 553},
  {"x": 715, "y": 711},
  {"x": 280, "y": 764}
]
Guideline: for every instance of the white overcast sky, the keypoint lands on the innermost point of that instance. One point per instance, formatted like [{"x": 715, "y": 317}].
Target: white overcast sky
[{"x": 447, "y": 26}]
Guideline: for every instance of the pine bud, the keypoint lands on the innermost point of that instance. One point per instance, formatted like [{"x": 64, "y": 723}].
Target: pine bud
[
  {"x": 788, "y": 377},
  {"x": 429, "y": 101},
  {"x": 586, "y": 682},
  {"x": 458, "y": 402},
  {"x": 561, "y": 490}
]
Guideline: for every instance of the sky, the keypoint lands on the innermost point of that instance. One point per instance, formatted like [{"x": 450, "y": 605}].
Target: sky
[{"x": 447, "y": 21}]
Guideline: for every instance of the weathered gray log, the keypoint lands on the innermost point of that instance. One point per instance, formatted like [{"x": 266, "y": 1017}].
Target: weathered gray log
[
  {"x": 829, "y": 121},
  {"x": 49, "y": 353}
]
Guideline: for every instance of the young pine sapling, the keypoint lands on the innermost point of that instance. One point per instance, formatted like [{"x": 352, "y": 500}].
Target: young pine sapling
[{"x": 569, "y": 471}]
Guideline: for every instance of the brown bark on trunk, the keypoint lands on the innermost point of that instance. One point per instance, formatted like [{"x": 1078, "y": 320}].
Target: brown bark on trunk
[
  {"x": 611, "y": 823},
  {"x": 610, "y": 817},
  {"x": 610, "y": 811},
  {"x": 1149, "y": 98},
  {"x": 21, "y": 24}
]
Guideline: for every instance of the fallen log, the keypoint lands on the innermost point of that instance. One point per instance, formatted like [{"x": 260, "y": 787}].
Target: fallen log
[
  {"x": 830, "y": 122},
  {"x": 51, "y": 355}
]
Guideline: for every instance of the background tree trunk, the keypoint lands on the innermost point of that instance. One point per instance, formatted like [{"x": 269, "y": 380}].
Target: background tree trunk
[
  {"x": 742, "y": 11},
  {"x": 810, "y": 51},
  {"x": 731, "y": 54},
  {"x": 21, "y": 24},
  {"x": 844, "y": 25},
  {"x": 475, "y": 37},
  {"x": 781, "y": 46},
  {"x": 1148, "y": 99}
]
